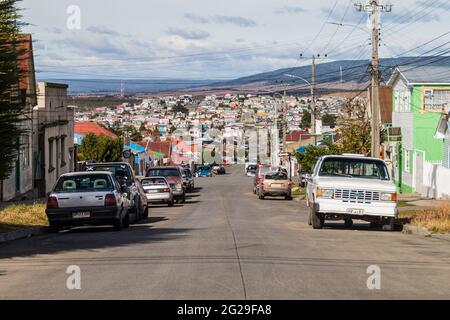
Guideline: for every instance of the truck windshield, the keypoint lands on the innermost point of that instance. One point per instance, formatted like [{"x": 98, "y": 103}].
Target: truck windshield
[
  {"x": 169, "y": 172},
  {"x": 354, "y": 168}
]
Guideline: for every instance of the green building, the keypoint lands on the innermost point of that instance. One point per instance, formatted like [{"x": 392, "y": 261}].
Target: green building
[{"x": 421, "y": 95}]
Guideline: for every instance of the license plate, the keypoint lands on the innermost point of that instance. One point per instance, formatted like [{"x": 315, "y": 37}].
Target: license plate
[
  {"x": 355, "y": 211},
  {"x": 276, "y": 185},
  {"x": 82, "y": 214},
  {"x": 151, "y": 191}
]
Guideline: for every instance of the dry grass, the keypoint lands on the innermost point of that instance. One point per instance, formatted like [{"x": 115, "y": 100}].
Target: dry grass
[
  {"x": 436, "y": 220},
  {"x": 16, "y": 216}
]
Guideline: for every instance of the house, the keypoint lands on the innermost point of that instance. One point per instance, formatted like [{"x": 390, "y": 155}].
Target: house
[
  {"x": 53, "y": 136},
  {"x": 421, "y": 94},
  {"x": 82, "y": 128},
  {"x": 20, "y": 181}
]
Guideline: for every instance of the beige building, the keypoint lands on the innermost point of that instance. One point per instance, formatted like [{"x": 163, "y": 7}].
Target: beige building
[{"x": 54, "y": 136}]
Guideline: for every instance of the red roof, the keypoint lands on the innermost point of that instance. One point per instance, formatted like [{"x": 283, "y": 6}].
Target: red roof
[
  {"x": 163, "y": 147},
  {"x": 85, "y": 127},
  {"x": 296, "y": 135}
]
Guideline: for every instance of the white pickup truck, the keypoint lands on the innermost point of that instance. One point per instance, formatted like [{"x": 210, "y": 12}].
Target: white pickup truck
[{"x": 349, "y": 186}]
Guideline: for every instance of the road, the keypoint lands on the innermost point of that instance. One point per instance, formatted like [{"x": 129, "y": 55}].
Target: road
[{"x": 226, "y": 244}]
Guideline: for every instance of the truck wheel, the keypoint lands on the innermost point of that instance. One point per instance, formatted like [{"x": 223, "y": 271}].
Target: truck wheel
[
  {"x": 348, "y": 222},
  {"x": 145, "y": 214},
  {"x": 317, "y": 219},
  {"x": 389, "y": 225}
]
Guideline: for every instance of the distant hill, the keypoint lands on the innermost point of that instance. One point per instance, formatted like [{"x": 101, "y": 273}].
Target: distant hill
[
  {"x": 328, "y": 73},
  {"x": 355, "y": 74}
]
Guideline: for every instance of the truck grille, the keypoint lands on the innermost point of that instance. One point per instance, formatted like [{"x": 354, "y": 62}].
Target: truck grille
[{"x": 356, "y": 196}]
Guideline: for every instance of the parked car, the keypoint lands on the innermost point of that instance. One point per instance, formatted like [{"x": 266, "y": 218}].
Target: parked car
[
  {"x": 174, "y": 176},
  {"x": 303, "y": 179},
  {"x": 218, "y": 169},
  {"x": 188, "y": 180},
  {"x": 123, "y": 172},
  {"x": 158, "y": 190},
  {"x": 275, "y": 184},
  {"x": 351, "y": 187},
  {"x": 88, "y": 198},
  {"x": 261, "y": 170},
  {"x": 204, "y": 171},
  {"x": 251, "y": 171}
]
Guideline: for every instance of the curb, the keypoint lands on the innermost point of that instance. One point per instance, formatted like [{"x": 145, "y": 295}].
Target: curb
[{"x": 22, "y": 233}]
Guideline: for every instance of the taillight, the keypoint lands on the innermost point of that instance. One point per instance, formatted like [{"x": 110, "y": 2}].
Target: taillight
[
  {"x": 166, "y": 190},
  {"x": 110, "y": 200},
  {"x": 52, "y": 203}
]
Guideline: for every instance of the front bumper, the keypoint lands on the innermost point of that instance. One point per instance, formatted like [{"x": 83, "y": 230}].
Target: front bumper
[
  {"x": 375, "y": 208},
  {"x": 98, "y": 215}
]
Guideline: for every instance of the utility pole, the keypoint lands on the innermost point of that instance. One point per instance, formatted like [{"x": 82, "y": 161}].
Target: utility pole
[
  {"x": 284, "y": 121},
  {"x": 313, "y": 98},
  {"x": 373, "y": 7}
]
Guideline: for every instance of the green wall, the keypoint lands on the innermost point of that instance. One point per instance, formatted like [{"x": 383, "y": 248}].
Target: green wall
[{"x": 425, "y": 124}]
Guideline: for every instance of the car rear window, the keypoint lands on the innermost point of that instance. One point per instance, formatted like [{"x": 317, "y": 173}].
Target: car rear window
[
  {"x": 276, "y": 176},
  {"x": 121, "y": 172},
  {"x": 163, "y": 172},
  {"x": 154, "y": 181},
  {"x": 84, "y": 183}
]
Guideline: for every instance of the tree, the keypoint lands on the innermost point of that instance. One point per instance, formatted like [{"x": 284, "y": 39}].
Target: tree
[
  {"x": 329, "y": 120},
  {"x": 133, "y": 133},
  {"x": 180, "y": 108},
  {"x": 308, "y": 158},
  {"x": 306, "y": 120},
  {"x": 100, "y": 148},
  {"x": 354, "y": 127},
  {"x": 12, "y": 108}
]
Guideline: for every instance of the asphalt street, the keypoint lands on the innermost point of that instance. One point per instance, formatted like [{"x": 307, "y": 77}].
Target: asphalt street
[{"x": 225, "y": 243}]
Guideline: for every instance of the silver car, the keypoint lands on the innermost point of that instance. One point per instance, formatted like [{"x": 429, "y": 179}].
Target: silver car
[
  {"x": 88, "y": 198},
  {"x": 157, "y": 190}
]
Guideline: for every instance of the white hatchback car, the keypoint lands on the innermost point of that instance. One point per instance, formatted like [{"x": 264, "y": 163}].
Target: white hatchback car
[{"x": 347, "y": 187}]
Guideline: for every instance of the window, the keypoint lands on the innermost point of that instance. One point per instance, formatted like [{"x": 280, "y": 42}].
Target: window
[
  {"x": 436, "y": 99},
  {"x": 407, "y": 164},
  {"x": 354, "y": 168},
  {"x": 50, "y": 155},
  {"x": 63, "y": 151}
]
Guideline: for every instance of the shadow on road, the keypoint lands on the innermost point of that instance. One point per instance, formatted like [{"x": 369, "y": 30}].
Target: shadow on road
[{"x": 90, "y": 238}]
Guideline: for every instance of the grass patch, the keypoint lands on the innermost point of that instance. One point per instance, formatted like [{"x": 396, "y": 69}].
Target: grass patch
[
  {"x": 405, "y": 204},
  {"x": 19, "y": 216},
  {"x": 298, "y": 191},
  {"x": 437, "y": 220}
]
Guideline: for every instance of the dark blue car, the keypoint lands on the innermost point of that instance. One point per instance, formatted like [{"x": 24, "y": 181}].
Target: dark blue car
[{"x": 204, "y": 171}]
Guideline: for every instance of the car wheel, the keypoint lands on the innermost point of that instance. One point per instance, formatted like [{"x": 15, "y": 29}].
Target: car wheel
[
  {"x": 126, "y": 220},
  {"x": 55, "y": 227},
  {"x": 287, "y": 198},
  {"x": 118, "y": 224},
  {"x": 317, "y": 219},
  {"x": 170, "y": 203},
  {"x": 146, "y": 212},
  {"x": 348, "y": 222},
  {"x": 183, "y": 199},
  {"x": 310, "y": 216}
]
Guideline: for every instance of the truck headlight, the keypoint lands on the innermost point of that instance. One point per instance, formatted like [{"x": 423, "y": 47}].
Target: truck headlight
[
  {"x": 388, "y": 196},
  {"x": 324, "y": 193}
]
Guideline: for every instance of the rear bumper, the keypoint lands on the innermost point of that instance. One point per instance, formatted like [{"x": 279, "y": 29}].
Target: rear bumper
[
  {"x": 98, "y": 215},
  {"x": 375, "y": 209},
  {"x": 159, "y": 197},
  {"x": 276, "y": 192}
]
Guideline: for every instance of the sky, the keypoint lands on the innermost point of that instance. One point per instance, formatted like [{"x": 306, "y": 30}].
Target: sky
[{"x": 215, "y": 39}]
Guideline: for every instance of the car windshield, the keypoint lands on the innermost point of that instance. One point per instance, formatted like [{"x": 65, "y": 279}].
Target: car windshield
[
  {"x": 251, "y": 168},
  {"x": 154, "y": 181},
  {"x": 84, "y": 183},
  {"x": 170, "y": 172},
  {"x": 276, "y": 176},
  {"x": 354, "y": 168},
  {"x": 121, "y": 172},
  {"x": 205, "y": 168}
]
